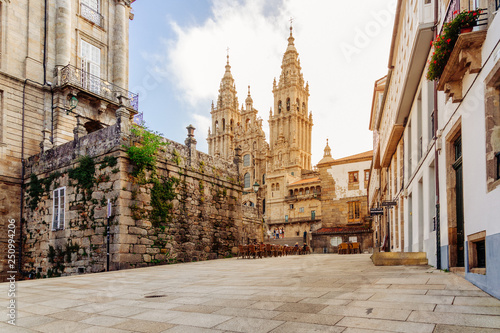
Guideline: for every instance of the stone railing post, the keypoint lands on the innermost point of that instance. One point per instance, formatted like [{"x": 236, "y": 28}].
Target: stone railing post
[
  {"x": 123, "y": 120},
  {"x": 191, "y": 145}
]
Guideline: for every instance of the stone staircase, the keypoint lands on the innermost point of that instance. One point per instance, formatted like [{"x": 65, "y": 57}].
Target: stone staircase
[{"x": 399, "y": 258}]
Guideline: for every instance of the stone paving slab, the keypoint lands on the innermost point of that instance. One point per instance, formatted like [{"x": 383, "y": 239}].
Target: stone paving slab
[{"x": 314, "y": 293}]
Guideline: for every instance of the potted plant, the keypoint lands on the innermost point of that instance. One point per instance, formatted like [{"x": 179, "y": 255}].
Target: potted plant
[{"x": 444, "y": 43}]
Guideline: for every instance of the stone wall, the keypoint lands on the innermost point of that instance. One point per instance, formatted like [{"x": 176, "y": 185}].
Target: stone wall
[{"x": 200, "y": 220}]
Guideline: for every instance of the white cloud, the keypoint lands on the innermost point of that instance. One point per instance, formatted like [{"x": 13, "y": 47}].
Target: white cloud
[{"x": 256, "y": 32}]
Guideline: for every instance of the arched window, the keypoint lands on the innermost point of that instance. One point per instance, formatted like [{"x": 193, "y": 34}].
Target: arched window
[
  {"x": 263, "y": 206},
  {"x": 232, "y": 125},
  {"x": 298, "y": 105},
  {"x": 301, "y": 191},
  {"x": 247, "y": 180},
  {"x": 273, "y": 187},
  {"x": 304, "y": 107},
  {"x": 307, "y": 190},
  {"x": 247, "y": 124},
  {"x": 223, "y": 125},
  {"x": 263, "y": 179},
  {"x": 277, "y": 186},
  {"x": 288, "y": 104},
  {"x": 291, "y": 192},
  {"x": 318, "y": 189},
  {"x": 246, "y": 160},
  {"x": 254, "y": 145},
  {"x": 216, "y": 126},
  {"x": 279, "y": 107}
]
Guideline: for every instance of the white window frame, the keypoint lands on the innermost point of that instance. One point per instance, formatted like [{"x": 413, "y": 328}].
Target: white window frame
[
  {"x": 59, "y": 210},
  {"x": 353, "y": 239},
  {"x": 335, "y": 240},
  {"x": 301, "y": 209},
  {"x": 91, "y": 64}
]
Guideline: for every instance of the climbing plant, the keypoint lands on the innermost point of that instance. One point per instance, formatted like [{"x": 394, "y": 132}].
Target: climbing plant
[{"x": 143, "y": 155}]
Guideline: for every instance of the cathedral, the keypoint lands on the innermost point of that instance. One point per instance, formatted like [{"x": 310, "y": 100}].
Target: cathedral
[{"x": 284, "y": 161}]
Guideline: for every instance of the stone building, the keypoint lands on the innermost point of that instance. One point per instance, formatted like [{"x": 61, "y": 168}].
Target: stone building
[
  {"x": 63, "y": 73},
  {"x": 344, "y": 213},
  {"x": 281, "y": 166},
  {"x": 439, "y": 141},
  {"x": 238, "y": 133}
]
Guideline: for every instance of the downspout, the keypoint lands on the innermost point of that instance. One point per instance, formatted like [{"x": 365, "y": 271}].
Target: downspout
[{"x": 436, "y": 154}]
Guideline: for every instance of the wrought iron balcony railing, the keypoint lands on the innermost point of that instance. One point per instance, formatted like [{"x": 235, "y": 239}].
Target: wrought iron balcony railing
[
  {"x": 94, "y": 84},
  {"x": 91, "y": 14}
]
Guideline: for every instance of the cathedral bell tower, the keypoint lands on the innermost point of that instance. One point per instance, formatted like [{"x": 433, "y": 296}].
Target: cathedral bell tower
[
  {"x": 291, "y": 122},
  {"x": 225, "y": 118}
]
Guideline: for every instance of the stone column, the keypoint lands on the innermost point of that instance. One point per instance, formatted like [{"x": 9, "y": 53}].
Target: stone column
[
  {"x": 63, "y": 32},
  {"x": 191, "y": 145},
  {"x": 120, "y": 48}
]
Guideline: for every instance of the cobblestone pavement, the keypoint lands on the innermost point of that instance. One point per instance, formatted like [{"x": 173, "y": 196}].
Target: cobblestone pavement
[{"x": 314, "y": 293}]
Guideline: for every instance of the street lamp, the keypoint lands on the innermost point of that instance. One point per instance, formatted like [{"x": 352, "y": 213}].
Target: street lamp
[{"x": 256, "y": 187}]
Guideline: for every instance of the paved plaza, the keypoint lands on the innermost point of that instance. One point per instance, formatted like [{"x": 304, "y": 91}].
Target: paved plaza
[{"x": 314, "y": 293}]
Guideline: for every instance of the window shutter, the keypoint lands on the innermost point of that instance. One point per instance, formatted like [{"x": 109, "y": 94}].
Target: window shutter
[{"x": 55, "y": 210}]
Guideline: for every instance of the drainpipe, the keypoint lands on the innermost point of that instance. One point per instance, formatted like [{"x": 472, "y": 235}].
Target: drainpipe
[
  {"x": 45, "y": 44},
  {"x": 436, "y": 154}
]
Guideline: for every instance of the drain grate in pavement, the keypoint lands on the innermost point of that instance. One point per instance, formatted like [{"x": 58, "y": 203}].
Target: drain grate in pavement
[{"x": 154, "y": 296}]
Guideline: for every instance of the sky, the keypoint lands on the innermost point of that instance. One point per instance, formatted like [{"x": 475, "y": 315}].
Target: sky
[{"x": 178, "y": 54}]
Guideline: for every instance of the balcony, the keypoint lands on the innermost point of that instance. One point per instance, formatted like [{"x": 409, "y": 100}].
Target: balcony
[
  {"x": 308, "y": 196},
  {"x": 307, "y": 219},
  {"x": 91, "y": 15},
  {"x": 466, "y": 56},
  {"x": 95, "y": 86}
]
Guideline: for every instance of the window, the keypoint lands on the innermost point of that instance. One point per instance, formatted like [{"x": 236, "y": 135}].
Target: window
[
  {"x": 288, "y": 104},
  {"x": 246, "y": 160},
  {"x": 286, "y": 218},
  {"x": 279, "y": 107},
  {"x": 298, "y": 105},
  {"x": 90, "y": 10},
  {"x": 291, "y": 206},
  {"x": 247, "y": 180},
  {"x": 277, "y": 186},
  {"x": 263, "y": 179},
  {"x": 292, "y": 173},
  {"x": 313, "y": 214},
  {"x": 498, "y": 165},
  {"x": 353, "y": 214},
  {"x": 353, "y": 239},
  {"x": 301, "y": 209},
  {"x": 58, "y": 209},
  {"x": 336, "y": 240},
  {"x": 91, "y": 67},
  {"x": 477, "y": 252},
  {"x": 367, "y": 175},
  {"x": 353, "y": 177}
]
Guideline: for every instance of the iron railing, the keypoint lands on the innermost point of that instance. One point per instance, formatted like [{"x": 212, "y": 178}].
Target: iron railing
[
  {"x": 454, "y": 9},
  {"x": 94, "y": 84},
  {"x": 317, "y": 218},
  {"x": 91, "y": 14}
]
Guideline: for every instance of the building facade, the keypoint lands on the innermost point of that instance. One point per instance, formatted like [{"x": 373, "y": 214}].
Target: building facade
[
  {"x": 438, "y": 142},
  {"x": 344, "y": 208},
  {"x": 63, "y": 74}
]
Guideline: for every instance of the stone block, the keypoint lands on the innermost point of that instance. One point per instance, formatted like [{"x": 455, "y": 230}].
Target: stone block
[
  {"x": 119, "y": 248},
  {"x": 137, "y": 231},
  {"x": 146, "y": 257},
  {"x": 153, "y": 250},
  {"x": 146, "y": 241},
  {"x": 143, "y": 223},
  {"x": 139, "y": 249},
  {"x": 127, "y": 239}
]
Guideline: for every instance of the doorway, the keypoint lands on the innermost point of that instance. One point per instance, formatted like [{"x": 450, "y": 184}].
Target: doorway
[{"x": 459, "y": 201}]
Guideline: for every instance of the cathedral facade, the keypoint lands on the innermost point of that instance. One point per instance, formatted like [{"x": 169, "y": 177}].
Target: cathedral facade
[{"x": 279, "y": 164}]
